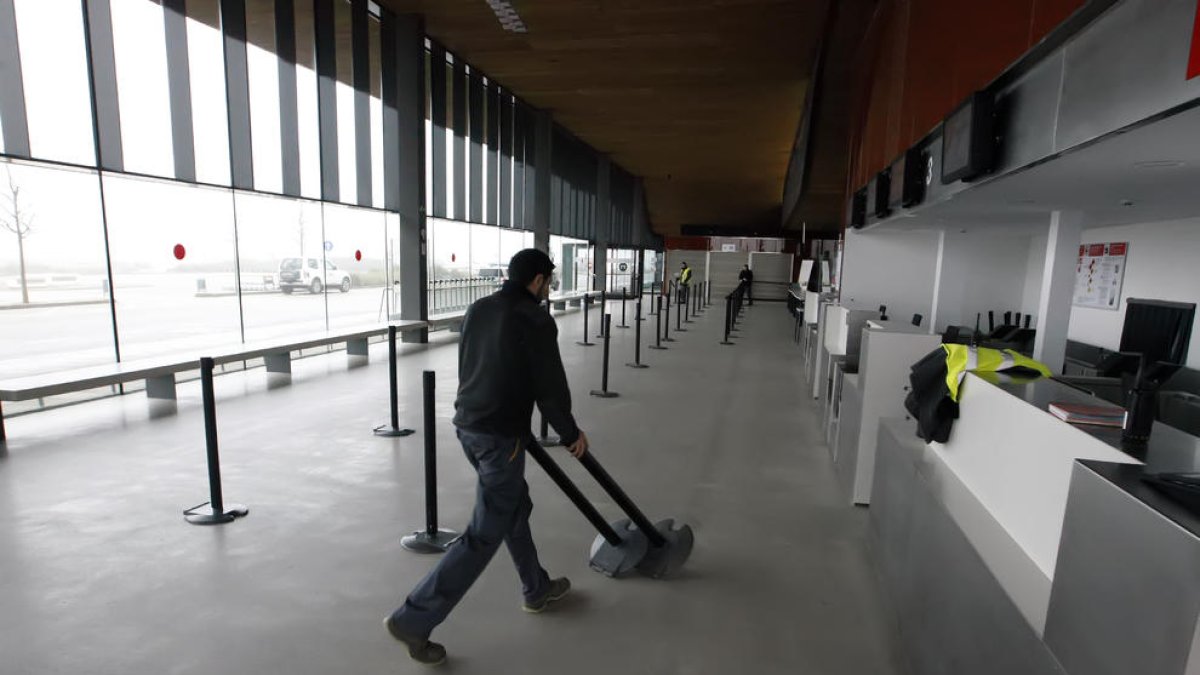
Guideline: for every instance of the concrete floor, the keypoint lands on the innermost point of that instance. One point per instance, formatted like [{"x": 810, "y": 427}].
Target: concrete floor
[{"x": 99, "y": 573}]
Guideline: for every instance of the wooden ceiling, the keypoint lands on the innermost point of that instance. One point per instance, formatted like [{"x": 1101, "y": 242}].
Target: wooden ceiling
[{"x": 701, "y": 98}]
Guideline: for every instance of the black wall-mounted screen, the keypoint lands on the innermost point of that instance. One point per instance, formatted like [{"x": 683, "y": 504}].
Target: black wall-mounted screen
[
  {"x": 968, "y": 139},
  {"x": 858, "y": 208},
  {"x": 908, "y": 179},
  {"x": 1159, "y": 329},
  {"x": 883, "y": 190}
]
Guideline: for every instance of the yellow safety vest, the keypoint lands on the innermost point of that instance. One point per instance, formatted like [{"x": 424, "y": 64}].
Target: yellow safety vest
[
  {"x": 685, "y": 277},
  {"x": 961, "y": 359}
]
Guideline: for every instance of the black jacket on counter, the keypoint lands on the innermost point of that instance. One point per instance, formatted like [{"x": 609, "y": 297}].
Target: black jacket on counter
[{"x": 507, "y": 360}]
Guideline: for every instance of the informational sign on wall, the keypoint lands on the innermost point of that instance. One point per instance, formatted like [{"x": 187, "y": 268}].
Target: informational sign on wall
[{"x": 1099, "y": 275}]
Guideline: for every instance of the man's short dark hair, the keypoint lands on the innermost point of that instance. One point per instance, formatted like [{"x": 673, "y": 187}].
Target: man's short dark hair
[{"x": 527, "y": 264}]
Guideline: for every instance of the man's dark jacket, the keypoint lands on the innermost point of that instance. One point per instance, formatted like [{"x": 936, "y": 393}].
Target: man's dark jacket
[{"x": 507, "y": 360}]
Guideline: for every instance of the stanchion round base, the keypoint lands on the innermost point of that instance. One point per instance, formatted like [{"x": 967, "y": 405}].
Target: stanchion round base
[
  {"x": 199, "y": 515},
  {"x": 622, "y": 326},
  {"x": 637, "y": 365},
  {"x": 586, "y": 344},
  {"x": 422, "y": 542},
  {"x": 667, "y": 339},
  {"x": 550, "y": 442},
  {"x": 614, "y": 561},
  {"x": 655, "y": 347},
  {"x": 680, "y": 330},
  {"x": 604, "y": 394},
  {"x": 388, "y": 431},
  {"x": 664, "y": 561},
  {"x": 724, "y": 342}
]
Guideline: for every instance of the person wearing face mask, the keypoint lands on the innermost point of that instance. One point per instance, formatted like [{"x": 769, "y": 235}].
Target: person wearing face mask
[{"x": 508, "y": 361}]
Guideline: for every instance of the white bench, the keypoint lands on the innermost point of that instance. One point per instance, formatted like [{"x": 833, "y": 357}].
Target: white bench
[{"x": 159, "y": 373}]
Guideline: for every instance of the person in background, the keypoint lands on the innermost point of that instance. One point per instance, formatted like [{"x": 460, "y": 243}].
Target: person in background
[
  {"x": 685, "y": 281},
  {"x": 746, "y": 276},
  {"x": 507, "y": 360}
]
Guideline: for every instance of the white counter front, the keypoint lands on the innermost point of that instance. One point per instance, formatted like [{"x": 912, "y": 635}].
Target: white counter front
[{"x": 1015, "y": 460}]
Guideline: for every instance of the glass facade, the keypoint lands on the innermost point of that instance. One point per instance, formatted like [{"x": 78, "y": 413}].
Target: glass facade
[
  {"x": 99, "y": 265},
  {"x": 152, "y": 251}
]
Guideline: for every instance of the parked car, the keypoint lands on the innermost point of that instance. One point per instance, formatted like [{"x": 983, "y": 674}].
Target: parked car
[
  {"x": 498, "y": 275},
  {"x": 305, "y": 274}
]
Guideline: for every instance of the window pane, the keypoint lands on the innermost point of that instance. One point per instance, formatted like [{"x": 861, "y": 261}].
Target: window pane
[
  {"x": 357, "y": 245},
  {"x": 210, "y": 115},
  {"x": 165, "y": 303},
  {"x": 263, "y": 67},
  {"x": 139, "y": 44},
  {"x": 275, "y": 236},
  {"x": 574, "y": 260},
  {"x": 57, "y": 316},
  {"x": 450, "y": 279},
  {"x": 485, "y": 249},
  {"x": 58, "y": 103}
]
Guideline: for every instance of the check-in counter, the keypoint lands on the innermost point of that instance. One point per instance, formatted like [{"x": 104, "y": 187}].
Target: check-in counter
[
  {"x": 1028, "y": 545},
  {"x": 886, "y": 354}
]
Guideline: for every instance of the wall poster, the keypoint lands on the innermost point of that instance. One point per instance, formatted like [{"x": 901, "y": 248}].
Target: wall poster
[{"x": 1099, "y": 274}]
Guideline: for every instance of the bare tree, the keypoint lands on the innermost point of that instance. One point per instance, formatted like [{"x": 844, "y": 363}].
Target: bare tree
[{"x": 19, "y": 221}]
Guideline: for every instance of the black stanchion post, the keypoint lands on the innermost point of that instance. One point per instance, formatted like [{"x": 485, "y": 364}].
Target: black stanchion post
[
  {"x": 686, "y": 301},
  {"x": 587, "y": 300},
  {"x": 624, "y": 295},
  {"x": 603, "y": 312},
  {"x": 657, "y": 325},
  {"x": 666, "y": 307},
  {"x": 217, "y": 512},
  {"x": 728, "y": 318},
  {"x": 393, "y": 430},
  {"x": 637, "y": 341},
  {"x": 603, "y": 391},
  {"x": 680, "y": 310},
  {"x": 431, "y": 539}
]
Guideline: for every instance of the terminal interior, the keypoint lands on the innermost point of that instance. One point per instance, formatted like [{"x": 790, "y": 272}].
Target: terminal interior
[{"x": 900, "y": 302}]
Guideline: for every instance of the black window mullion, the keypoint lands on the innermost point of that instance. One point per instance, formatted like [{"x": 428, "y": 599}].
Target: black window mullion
[
  {"x": 323, "y": 19},
  {"x": 179, "y": 85},
  {"x": 531, "y": 168},
  {"x": 437, "y": 113},
  {"x": 237, "y": 93},
  {"x": 519, "y": 177},
  {"x": 360, "y": 50},
  {"x": 475, "y": 93},
  {"x": 506, "y": 153},
  {"x": 460, "y": 139},
  {"x": 493, "y": 135},
  {"x": 12, "y": 87},
  {"x": 289, "y": 115},
  {"x": 105, "y": 104}
]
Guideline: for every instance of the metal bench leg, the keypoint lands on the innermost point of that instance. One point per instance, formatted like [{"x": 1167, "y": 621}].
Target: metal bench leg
[
  {"x": 161, "y": 387},
  {"x": 279, "y": 363},
  {"x": 3, "y": 435},
  {"x": 356, "y": 352}
]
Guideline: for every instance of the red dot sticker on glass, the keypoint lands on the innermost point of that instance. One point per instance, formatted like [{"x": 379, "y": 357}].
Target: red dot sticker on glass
[
  {"x": 358, "y": 255},
  {"x": 179, "y": 251}
]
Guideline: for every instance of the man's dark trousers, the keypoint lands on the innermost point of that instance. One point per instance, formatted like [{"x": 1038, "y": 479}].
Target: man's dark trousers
[{"x": 502, "y": 508}]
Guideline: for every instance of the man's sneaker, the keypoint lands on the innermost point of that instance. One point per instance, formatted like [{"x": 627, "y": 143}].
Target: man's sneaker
[
  {"x": 422, "y": 650},
  {"x": 558, "y": 588}
]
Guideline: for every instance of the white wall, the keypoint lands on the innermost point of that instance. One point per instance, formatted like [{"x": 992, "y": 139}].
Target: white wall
[
  {"x": 891, "y": 268},
  {"x": 982, "y": 272},
  {"x": 1163, "y": 264}
]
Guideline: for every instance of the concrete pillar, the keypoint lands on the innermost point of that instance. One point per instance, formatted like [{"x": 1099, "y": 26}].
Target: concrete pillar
[
  {"x": 543, "y": 140},
  {"x": 404, "y": 171},
  {"x": 1058, "y": 288},
  {"x": 603, "y": 213},
  {"x": 937, "y": 281}
]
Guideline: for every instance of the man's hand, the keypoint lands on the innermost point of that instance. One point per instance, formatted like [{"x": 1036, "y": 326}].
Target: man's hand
[{"x": 580, "y": 447}]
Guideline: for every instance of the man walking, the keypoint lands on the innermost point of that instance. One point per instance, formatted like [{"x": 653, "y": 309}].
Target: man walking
[
  {"x": 746, "y": 276},
  {"x": 507, "y": 360}
]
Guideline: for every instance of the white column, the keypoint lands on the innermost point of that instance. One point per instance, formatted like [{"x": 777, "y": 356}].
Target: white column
[
  {"x": 1058, "y": 288},
  {"x": 937, "y": 281}
]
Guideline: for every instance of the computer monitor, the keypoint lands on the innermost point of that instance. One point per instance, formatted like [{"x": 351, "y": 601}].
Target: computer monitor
[{"x": 1159, "y": 329}]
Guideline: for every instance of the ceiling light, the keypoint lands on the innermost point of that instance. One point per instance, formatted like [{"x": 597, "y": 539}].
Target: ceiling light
[
  {"x": 507, "y": 15},
  {"x": 1159, "y": 164}
]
